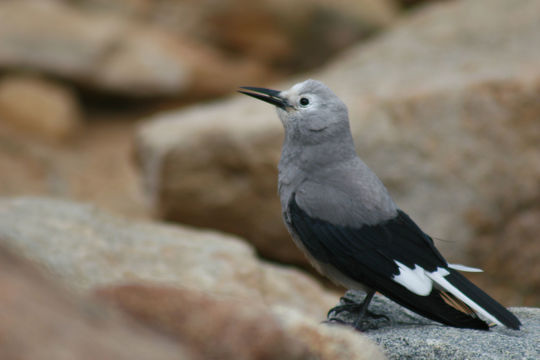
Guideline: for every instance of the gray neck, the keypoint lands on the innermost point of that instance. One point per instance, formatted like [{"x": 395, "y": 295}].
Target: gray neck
[
  {"x": 312, "y": 157},
  {"x": 301, "y": 158}
]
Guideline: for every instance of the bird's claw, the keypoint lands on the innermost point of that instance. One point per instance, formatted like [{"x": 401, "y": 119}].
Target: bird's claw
[
  {"x": 366, "y": 320},
  {"x": 351, "y": 308},
  {"x": 346, "y": 304}
]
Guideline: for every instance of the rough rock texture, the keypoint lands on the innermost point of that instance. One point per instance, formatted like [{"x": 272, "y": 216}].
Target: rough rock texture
[
  {"x": 40, "y": 320},
  {"x": 86, "y": 247},
  {"x": 237, "y": 329},
  {"x": 39, "y": 107},
  {"x": 224, "y": 301},
  {"x": 410, "y": 336},
  {"x": 110, "y": 53},
  {"x": 444, "y": 108},
  {"x": 96, "y": 166},
  {"x": 326, "y": 341}
]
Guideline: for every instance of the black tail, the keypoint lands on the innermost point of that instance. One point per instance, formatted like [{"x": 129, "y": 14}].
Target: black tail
[
  {"x": 483, "y": 300},
  {"x": 434, "y": 307}
]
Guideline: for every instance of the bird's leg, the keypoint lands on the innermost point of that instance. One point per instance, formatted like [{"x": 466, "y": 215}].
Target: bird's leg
[{"x": 362, "y": 321}]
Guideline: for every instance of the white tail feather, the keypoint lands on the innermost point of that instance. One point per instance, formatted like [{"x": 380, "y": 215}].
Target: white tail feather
[
  {"x": 438, "y": 277},
  {"x": 464, "y": 268}
]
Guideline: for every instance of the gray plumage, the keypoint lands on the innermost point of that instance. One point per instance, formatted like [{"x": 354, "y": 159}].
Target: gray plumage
[
  {"x": 319, "y": 162},
  {"x": 342, "y": 216}
]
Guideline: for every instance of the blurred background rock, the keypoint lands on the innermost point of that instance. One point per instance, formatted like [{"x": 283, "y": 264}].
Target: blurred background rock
[{"x": 127, "y": 104}]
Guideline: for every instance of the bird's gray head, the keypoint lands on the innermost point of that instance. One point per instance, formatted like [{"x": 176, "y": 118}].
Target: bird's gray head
[{"x": 309, "y": 111}]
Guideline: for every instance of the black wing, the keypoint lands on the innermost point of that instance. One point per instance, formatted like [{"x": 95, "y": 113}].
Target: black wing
[
  {"x": 367, "y": 254},
  {"x": 378, "y": 246}
]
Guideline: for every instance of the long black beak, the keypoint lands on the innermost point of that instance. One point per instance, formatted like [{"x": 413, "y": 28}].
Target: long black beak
[{"x": 268, "y": 95}]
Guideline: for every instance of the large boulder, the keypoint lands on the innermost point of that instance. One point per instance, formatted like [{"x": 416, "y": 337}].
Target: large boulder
[
  {"x": 86, "y": 248},
  {"x": 203, "y": 289},
  {"x": 235, "y": 328},
  {"x": 176, "y": 48},
  {"x": 97, "y": 166},
  {"x": 42, "y": 321},
  {"x": 444, "y": 108},
  {"x": 281, "y": 34},
  {"x": 113, "y": 54}
]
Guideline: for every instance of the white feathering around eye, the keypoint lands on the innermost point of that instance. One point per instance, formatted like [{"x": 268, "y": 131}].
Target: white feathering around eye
[
  {"x": 464, "y": 268},
  {"x": 415, "y": 280}
]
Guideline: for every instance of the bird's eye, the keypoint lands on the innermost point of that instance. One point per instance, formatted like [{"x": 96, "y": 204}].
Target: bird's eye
[{"x": 304, "y": 101}]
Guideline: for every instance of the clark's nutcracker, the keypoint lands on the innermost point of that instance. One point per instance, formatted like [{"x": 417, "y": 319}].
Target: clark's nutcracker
[{"x": 341, "y": 215}]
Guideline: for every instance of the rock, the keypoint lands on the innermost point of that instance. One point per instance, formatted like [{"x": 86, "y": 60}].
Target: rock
[
  {"x": 442, "y": 107},
  {"x": 86, "y": 248},
  {"x": 42, "y": 321},
  {"x": 276, "y": 34},
  {"x": 197, "y": 288},
  {"x": 511, "y": 264},
  {"x": 181, "y": 159},
  {"x": 57, "y": 39},
  {"x": 179, "y": 49},
  {"x": 411, "y": 336},
  {"x": 39, "y": 107},
  {"x": 110, "y": 53},
  {"x": 96, "y": 167},
  {"x": 328, "y": 341},
  {"x": 236, "y": 330},
  {"x": 282, "y": 285}
]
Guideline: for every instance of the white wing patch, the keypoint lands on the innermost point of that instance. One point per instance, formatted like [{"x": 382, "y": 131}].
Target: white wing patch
[
  {"x": 414, "y": 280},
  {"x": 464, "y": 268}
]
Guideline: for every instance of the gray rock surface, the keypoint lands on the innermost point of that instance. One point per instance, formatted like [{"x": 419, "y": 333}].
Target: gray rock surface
[
  {"x": 410, "y": 336},
  {"x": 444, "y": 108}
]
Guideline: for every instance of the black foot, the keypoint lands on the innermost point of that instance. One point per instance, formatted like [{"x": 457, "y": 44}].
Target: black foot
[
  {"x": 363, "y": 318},
  {"x": 346, "y": 305}
]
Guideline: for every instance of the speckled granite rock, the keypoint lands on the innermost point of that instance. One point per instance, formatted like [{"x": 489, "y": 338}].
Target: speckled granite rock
[{"x": 410, "y": 336}]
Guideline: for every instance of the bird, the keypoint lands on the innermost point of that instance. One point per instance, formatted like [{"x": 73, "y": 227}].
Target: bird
[{"x": 340, "y": 214}]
